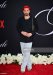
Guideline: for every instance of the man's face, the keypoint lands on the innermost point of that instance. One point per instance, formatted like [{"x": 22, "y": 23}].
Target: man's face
[{"x": 26, "y": 11}]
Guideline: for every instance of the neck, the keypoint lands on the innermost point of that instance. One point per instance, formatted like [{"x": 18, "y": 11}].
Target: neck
[{"x": 27, "y": 17}]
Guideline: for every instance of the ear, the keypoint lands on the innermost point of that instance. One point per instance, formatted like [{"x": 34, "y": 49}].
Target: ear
[{"x": 23, "y": 11}]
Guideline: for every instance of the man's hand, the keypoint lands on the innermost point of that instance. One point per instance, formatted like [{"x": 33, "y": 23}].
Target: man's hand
[
  {"x": 29, "y": 34},
  {"x": 26, "y": 34}
]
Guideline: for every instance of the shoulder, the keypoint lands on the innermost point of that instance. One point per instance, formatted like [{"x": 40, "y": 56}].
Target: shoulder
[
  {"x": 34, "y": 19},
  {"x": 19, "y": 21},
  {"x": 20, "y": 18}
]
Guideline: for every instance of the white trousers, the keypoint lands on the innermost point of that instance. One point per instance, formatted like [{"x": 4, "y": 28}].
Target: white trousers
[{"x": 26, "y": 49}]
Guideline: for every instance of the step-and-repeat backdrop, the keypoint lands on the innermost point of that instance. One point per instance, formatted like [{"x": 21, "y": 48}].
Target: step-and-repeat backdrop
[{"x": 10, "y": 11}]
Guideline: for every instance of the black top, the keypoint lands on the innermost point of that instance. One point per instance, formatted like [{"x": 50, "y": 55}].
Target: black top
[{"x": 26, "y": 25}]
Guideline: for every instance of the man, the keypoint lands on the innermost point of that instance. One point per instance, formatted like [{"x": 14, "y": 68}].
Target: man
[{"x": 24, "y": 27}]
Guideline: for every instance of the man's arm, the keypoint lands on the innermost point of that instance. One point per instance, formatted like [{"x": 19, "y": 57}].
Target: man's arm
[
  {"x": 35, "y": 23},
  {"x": 19, "y": 29},
  {"x": 18, "y": 26}
]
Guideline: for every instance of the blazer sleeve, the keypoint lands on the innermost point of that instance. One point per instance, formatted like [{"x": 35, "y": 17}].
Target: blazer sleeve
[
  {"x": 35, "y": 23},
  {"x": 18, "y": 26}
]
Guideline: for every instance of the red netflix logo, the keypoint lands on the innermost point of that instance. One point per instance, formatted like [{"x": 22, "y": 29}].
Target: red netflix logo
[{"x": 1, "y": 23}]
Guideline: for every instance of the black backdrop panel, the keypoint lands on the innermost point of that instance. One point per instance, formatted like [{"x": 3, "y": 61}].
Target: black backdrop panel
[{"x": 9, "y": 14}]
